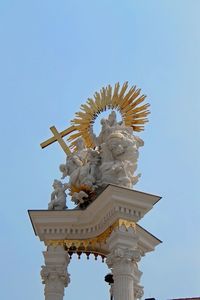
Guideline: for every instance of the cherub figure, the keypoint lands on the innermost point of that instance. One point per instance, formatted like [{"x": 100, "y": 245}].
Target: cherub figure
[
  {"x": 74, "y": 162},
  {"x": 71, "y": 169},
  {"x": 58, "y": 196},
  {"x": 78, "y": 198}
]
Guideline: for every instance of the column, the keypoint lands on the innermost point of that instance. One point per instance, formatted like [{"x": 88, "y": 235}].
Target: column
[
  {"x": 54, "y": 274},
  {"x": 122, "y": 259},
  {"x": 138, "y": 289}
]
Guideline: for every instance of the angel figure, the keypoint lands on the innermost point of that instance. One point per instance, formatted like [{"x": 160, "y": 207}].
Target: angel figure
[
  {"x": 58, "y": 196},
  {"x": 79, "y": 198}
]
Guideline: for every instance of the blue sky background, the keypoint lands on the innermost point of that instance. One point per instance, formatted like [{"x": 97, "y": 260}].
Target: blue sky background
[{"x": 55, "y": 54}]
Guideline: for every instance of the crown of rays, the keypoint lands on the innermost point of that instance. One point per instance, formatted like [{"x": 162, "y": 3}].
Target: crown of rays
[{"x": 126, "y": 101}]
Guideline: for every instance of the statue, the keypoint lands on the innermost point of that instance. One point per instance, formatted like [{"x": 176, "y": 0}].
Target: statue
[
  {"x": 113, "y": 160},
  {"x": 81, "y": 150},
  {"x": 119, "y": 156},
  {"x": 78, "y": 198},
  {"x": 109, "y": 158},
  {"x": 58, "y": 196}
]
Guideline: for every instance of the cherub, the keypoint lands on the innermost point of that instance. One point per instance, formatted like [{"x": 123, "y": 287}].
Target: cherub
[
  {"x": 78, "y": 198},
  {"x": 58, "y": 196},
  {"x": 71, "y": 169}
]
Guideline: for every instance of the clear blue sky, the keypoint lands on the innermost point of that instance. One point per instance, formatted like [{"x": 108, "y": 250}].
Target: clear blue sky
[{"x": 55, "y": 54}]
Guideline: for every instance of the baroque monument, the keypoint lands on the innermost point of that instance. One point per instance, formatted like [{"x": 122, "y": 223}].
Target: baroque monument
[{"x": 98, "y": 176}]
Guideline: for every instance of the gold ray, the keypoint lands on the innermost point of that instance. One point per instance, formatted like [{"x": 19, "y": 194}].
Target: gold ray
[
  {"x": 131, "y": 99},
  {"x": 92, "y": 104},
  {"x": 82, "y": 116},
  {"x": 138, "y": 115},
  {"x": 123, "y": 90},
  {"x": 132, "y": 119},
  {"x": 103, "y": 98},
  {"x": 140, "y": 121},
  {"x": 138, "y": 128},
  {"x": 106, "y": 99},
  {"x": 129, "y": 94},
  {"x": 92, "y": 109},
  {"x": 86, "y": 109},
  {"x": 139, "y": 109},
  {"x": 134, "y": 104},
  {"x": 109, "y": 97},
  {"x": 97, "y": 100},
  {"x": 74, "y": 136},
  {"x": 82, "y": 128},
  {"x": 80, "y": 121},
  {"x": 115, "y": 94}
]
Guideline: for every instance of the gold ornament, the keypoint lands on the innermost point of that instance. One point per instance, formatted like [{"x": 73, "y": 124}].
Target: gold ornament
[
  {"x": 127, "y": 102},
  {"x": 93, "y": 245}
]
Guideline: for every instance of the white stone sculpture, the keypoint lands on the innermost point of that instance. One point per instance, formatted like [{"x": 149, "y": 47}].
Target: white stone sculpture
[
  {"x": 79, "y": 198},
  {"x": 54, "y": 273},
  {"x": 58, "y": 196},
  {"x": 112, "y": 161}
]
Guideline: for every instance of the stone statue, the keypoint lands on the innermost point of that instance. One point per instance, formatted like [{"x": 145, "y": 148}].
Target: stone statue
[
  {"x": 79, "y": 198},
  {"x": 113, "y": 160},
  {"x": 81, "y": 150},
  {"x": 58, "y": 196},
  {"x": 119, "y": 157}
]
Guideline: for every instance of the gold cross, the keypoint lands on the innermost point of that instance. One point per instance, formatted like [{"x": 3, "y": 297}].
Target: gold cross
[{"x": 57, "y": 137}]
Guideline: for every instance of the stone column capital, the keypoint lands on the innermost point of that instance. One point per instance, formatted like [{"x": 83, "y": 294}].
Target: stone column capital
[
  {"x": 123, "y": 255},
  {"x": 55, "y": 274}
]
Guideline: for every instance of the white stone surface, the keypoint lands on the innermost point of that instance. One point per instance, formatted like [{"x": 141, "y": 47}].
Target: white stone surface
[
  {"x": 112, "y": 204},
  {"x": 123, "y": 248},
  {"x": 122, "y": 260},
  {"x": 58, "y": 196},
  {"x": 54, "y": 273},
  {"x": 113, "y": 161}
]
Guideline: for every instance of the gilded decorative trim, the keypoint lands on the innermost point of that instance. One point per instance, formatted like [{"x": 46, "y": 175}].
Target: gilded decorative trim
[{"x": 90, "y": 243}]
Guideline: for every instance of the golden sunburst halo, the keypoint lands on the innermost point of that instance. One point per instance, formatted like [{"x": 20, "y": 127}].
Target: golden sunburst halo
[{"x": 126, "y": 101}]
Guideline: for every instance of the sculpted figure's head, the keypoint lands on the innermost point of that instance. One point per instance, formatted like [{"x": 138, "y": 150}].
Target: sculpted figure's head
[
  {"x": 80, "y": 144},
  {"x": 116, "y": 144},
  {"x": 57, "y": 184},
  {"x": 103, "y": 122},
  {"x": 112, "y": 118}
]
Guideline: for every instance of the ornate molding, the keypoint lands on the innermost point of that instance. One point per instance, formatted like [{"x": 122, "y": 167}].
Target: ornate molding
[
  {"x": 90, "y": 244},
  {"x": 55, "y": 273},
  {"x": 120, "y": 255},
  {"x": 138, "y": 291}
]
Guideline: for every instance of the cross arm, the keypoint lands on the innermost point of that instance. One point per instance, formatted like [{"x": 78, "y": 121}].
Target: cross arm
[{"x": 53, "y": 139}]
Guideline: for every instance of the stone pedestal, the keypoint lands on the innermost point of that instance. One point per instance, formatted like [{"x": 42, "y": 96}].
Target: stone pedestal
[{"x": 107, "y": 227}]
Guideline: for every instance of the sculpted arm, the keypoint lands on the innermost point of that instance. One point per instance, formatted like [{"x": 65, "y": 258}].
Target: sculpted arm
[
  {"x": 65, "y": 186},
  {"x": 64, "y": 170},
  {"x": 53, "y": 194},
  {"x": 139, "y": 141}
]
